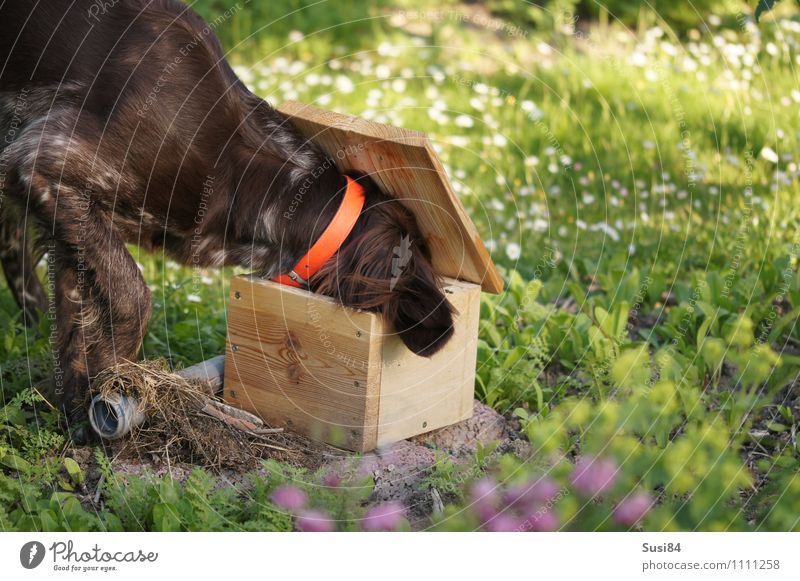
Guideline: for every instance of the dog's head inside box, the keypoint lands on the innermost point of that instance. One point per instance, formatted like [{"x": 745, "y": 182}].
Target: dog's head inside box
[{"x": 340, "y": 375}]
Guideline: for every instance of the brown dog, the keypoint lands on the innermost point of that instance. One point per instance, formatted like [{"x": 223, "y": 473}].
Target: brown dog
[{"x": 122, "y": 123}]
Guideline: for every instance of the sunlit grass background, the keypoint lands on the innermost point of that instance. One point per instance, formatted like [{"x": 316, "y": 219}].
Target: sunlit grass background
[{"x": 634, "y": 173}]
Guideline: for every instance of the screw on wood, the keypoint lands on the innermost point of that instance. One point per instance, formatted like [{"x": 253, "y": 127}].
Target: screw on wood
[
  {"x": 356, "y": 383},
  {"x": 234, "y": 348},
  {"x": 233, "y": 393},
  {"x": 358, "y": 333},
  {"x": 237, "y": 295},
  {"x": 424, "y": 424}
]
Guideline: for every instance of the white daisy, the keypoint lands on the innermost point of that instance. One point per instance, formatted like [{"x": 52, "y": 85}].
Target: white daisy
[{"x": 513, "y": 251}]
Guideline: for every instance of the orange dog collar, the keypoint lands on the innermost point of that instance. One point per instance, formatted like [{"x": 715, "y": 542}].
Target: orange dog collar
[{"x": 331, "y": 240}]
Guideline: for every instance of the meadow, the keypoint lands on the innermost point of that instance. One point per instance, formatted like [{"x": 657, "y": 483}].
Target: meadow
[{"x": 636, "y": 182}]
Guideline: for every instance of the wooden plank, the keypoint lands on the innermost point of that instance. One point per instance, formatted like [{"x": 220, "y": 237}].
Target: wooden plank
[
  {"x": 418, "y": 394},
  {"x": 299, "y": 360},
  {"x": 404, "y": 165}
]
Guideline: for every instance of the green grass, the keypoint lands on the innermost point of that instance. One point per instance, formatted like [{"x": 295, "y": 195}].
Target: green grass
[{"x": 627, "y": 186}]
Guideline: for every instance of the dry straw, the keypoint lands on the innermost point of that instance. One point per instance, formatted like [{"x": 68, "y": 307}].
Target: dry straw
[{"x": 184, "y": 423}]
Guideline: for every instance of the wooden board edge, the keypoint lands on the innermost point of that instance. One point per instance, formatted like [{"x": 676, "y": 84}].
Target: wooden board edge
[
  {"x": 352, "y": 124},
  {"x": 492, "y": 282},
  {"x": 374, "y": 376}
]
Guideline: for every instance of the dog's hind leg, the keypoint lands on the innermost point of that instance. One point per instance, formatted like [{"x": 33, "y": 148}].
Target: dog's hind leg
[{"x": 19, "y": 265}]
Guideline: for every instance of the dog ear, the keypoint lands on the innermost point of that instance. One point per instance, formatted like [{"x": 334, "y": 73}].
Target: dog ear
[
  {"x": 421, "y": 313},
  {"x": 386, "y": 268}
]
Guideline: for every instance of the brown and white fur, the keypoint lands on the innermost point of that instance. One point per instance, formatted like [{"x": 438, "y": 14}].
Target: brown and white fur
[{"x": 127, "y": 125}]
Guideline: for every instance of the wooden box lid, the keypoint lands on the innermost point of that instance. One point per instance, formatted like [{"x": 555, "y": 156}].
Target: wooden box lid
[{"x": 404, "y": 164}]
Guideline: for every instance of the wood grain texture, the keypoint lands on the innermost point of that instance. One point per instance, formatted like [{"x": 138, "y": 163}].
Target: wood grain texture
[
  {"x": 404, "y": 165},
  {"x": 420, "y": 394},
  {"x": 342, "y": 376},
  {"x": 298, "y": 360}
]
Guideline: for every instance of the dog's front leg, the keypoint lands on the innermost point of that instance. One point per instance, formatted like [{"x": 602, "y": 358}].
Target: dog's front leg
[{"x": 102, "y": 305}]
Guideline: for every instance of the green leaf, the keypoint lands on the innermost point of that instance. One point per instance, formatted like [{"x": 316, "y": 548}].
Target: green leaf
[
  {"x": 489, "y": 330},
  {"x": 703, "y": 331},
  {"x": 168, "y": 491},
  {"x": 713, "y": 351},
  {"x": 113, "y": 523},
  {"x": 49, "y": 521},
  {"x": 577, "y": 293},
  {"x": 709, "y": 310},
  {"x": 783, "y": 322},
  {"x": 515, "y": 281},
  {"x": 602, "y": 317},
  {"x": 483, "y": 453},
  {"x": 57, "y": 498},
  {"x": 165, "y": 518},
  {"x": 480, "y": 388},
  {"x": 16, "y": 463},
  {"x": 620, "y": 314},
  {"x": 8, "y": 341},
  {"x": 539, "y": 396},
  {"x": 632, "y": 368},
  {"x": 72, "y": 508},
  {"x": 74, "y": 471},
  {"x": 514, "y": 356}
]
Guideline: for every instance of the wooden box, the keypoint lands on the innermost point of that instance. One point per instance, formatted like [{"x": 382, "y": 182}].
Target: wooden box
[{"x": 340, "y": 375}]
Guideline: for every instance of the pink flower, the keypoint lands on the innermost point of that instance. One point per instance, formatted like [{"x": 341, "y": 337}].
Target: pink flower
[
  {"x": 593, "y": 476},
  {"x": 484, "y": 492},
  {"x": 544, "y": 490},
  {"x": 332, "y": 480},
  {"x": 314, "y": 521},
  {"x": 484, "y": 495},
  {"x": 384, "y": 517},
  {"x": 542, "y": 521},
  {"x": 485, "y": 512},
  {"x": 502, "y": 523},
  {"x": 531, "y": 495},
  {"x": 289, "y": 497},
  {"x": 632, "y": 509},
  {"x": 515, "y": 495}
]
